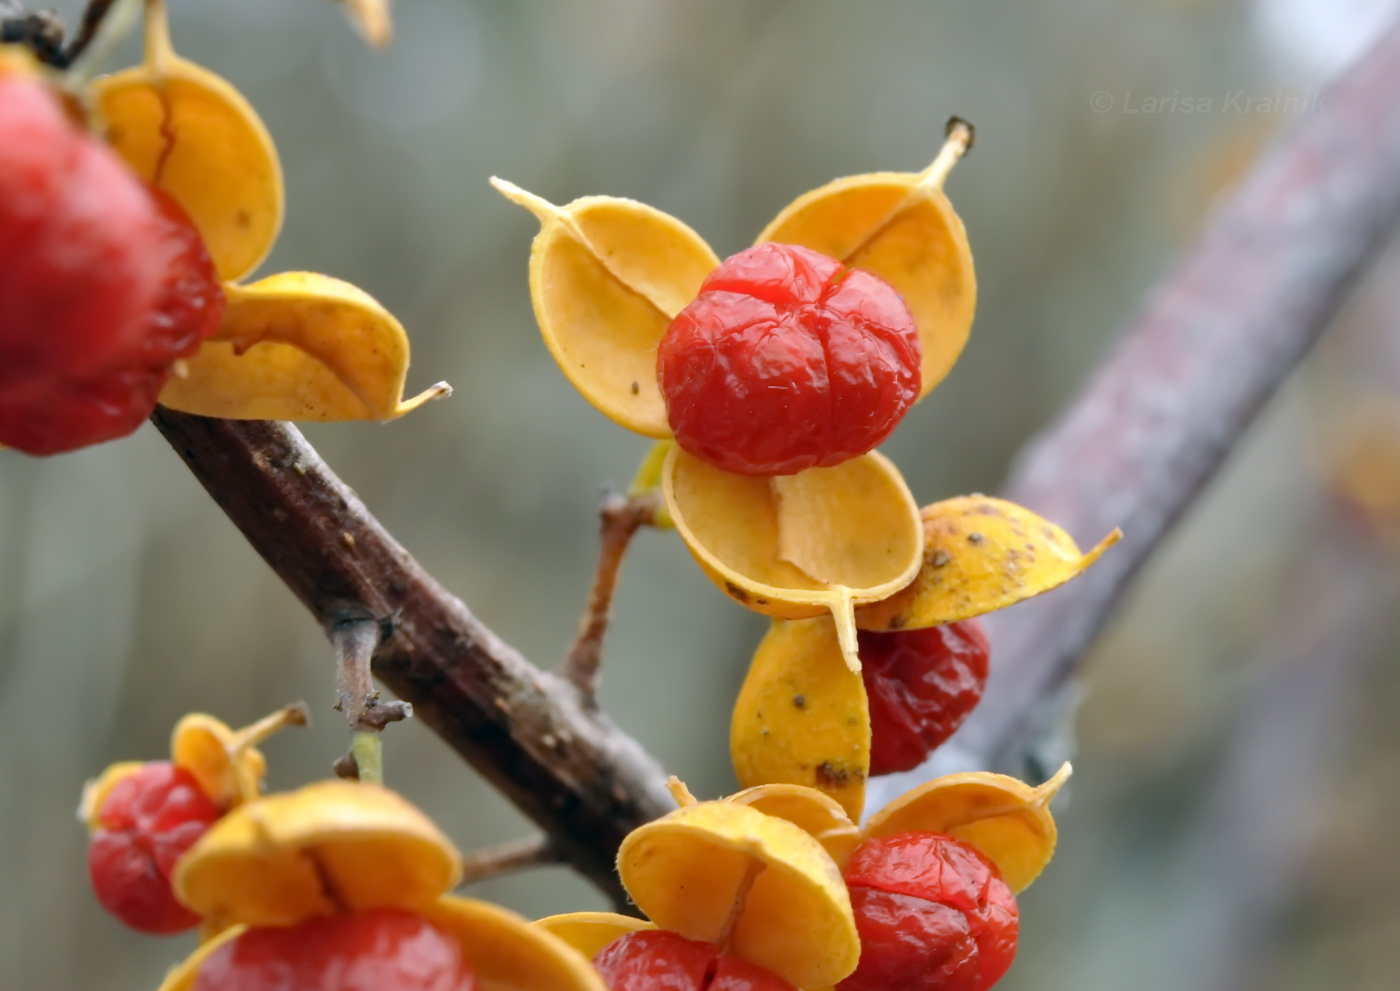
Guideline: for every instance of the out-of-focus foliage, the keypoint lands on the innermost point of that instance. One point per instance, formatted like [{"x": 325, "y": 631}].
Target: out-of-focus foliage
[{"x": 127, "y": 599}]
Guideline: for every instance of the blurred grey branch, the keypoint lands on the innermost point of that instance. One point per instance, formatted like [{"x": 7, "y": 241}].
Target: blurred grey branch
[
  {"x": 1215, "y": 341},
  {"x": 1249, "y": 841}
]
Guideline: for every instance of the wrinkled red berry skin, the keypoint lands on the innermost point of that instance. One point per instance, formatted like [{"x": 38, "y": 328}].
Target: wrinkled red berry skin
[
  {"x": 922, "y": 685},
  {"x": 658, "y": 960},
  {"x": 933, "y": 915},
  {"x": 787, "y": 360},
  {"x": 78, "y": 267},
  {"x": 148, "y": 820},
  {"x": 75, "y": 411},
  {"x": 374, "y": 950}
]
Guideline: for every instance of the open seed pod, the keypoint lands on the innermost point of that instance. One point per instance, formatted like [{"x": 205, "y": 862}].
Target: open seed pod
[
  {"x": 980, "y": 554},
  {"x": 729, "y": 874},
  {"x": 589, "y": 932},
  {"x": 332, "y": 846},
  {"x": 299, "y": 346},
  {"x": 505, "y": 951},
  {"x": 607, "y": 276},
  {"x": 802, "y": 717},
  {"x": 815, "y": 813},
  {"x": 901, "y": 227},
  {"x": 226, "y": 762},
  {"x": 1006, "y": 819},
  {"x": 191, "y": 133},
  {"x": 210, "y": 750},
  {"x": 794, "y": 546}
]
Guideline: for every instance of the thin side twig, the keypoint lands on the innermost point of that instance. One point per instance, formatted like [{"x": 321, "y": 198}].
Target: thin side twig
[
  {"x": 507, "y": 858},
  {"x": 1215, "y": 341},
  {"x": 622, "y": 516}
]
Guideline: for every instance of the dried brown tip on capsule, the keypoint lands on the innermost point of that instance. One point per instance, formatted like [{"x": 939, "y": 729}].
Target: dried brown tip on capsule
[{"x": 956, "y": 124}]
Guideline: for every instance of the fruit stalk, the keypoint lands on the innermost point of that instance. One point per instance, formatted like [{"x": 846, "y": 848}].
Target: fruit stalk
[{"x": 622, "y": 516}]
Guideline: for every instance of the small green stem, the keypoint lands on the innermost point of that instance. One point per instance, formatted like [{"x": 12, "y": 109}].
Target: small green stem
[{"x": 367, "y": 749}]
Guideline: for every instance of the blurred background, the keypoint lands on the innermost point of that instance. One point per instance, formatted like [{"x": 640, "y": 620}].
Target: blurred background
[{"x": 1231, "y": 821}]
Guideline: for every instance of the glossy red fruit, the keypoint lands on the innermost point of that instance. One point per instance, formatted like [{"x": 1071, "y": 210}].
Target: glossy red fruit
[
  {"x": 374, "y": 950},
  {"x": 79, "y": 265},
  {"x": 78, "y": 410},
  {"x": 148, "y": 820},
  {"x": 787, "y": 360},
  {"x": 933, "y": 915},
  {"x": 657, "y": 960},
  {"x": 922, "y": 684}
]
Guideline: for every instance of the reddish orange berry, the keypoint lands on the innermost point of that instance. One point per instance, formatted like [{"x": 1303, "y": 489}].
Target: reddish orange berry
[
  {"x": 922, "y": 685},
  {"x": 933, "y": 914},
  {"x": 148, "y": 820},
  {"x": 657, "y": 960},
  {"x": 80, "y": 266},
  {"x": 73, "y": 410},
  {"x": 374, "y": 950},
  {"x": 787, "y": 360}
]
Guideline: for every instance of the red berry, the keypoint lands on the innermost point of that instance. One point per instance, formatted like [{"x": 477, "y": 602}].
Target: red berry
[
  {"x": 933, "y": 914},
  {"x": 381, "y": 949},
  {"x": 657, "y": 960},
  {"x": 921, "y": 684},
  {"x": 78, "y": 267},
  {"x": 75, "y": 411},
  {"x": 787, "y": 360},
  {"x": 148, "y": 820}
]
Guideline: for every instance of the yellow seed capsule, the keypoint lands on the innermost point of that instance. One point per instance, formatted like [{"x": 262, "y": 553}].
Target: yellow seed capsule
[
  {"x": 209, "y": 749},
  {"x": 299, "y": 346},
  {"x": 191, "y": 133},
  {"x": 901, "y": 227},
  {"x": 814, "y": 812},
  {"x": 607, "y": 276},
  {"x": 980, "y": 554},
  {"x": 226, "y": 762},
  {"x": 795, "y": 546},
  {"x": 726, "y": 873},
  {"x": 95, "y": 792},
  {"x": 332, "y": 846},
  {"x": 505, "y": 952},
  {"x": 510, "y": 954},
  {"x": 1005, "y": 819},
  {"x": 802, "y": 716},
  {"x": 590, "y": 932}
]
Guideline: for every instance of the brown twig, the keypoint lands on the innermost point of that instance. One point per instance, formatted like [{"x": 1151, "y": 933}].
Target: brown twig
[
  {"x": 1215, "y": 341},
  {"x": 41, "y": 32},
  {"x": 565, "y": 765},
  {"x": 622, "y": 516},
  {"x": 354, "y": 640},
  {"x": 507, "y": 858}
]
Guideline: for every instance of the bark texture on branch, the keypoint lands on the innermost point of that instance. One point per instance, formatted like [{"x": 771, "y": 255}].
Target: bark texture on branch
[
  {"x": 564, "y": 764},
  {"x": 1215, "y": 341}
]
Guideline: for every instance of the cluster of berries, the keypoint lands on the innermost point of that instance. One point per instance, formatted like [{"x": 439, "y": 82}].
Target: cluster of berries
[
  {"x": 104, "y": 282},
  {"x": 933, "y": 914}
]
